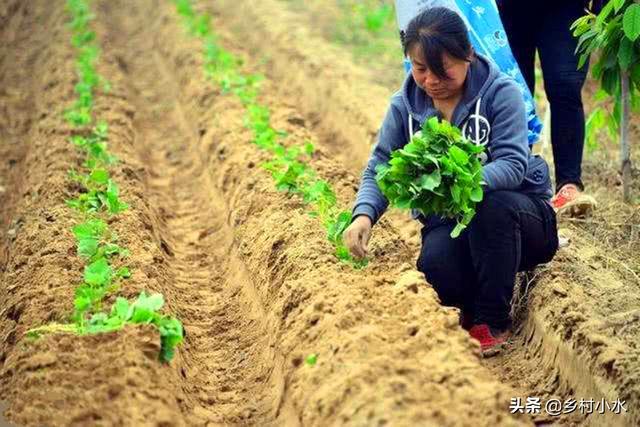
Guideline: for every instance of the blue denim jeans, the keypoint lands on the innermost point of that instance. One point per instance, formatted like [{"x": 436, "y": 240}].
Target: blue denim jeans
[
  {"x": 546, "y": 30},
  {"x": 476, "y": 272}
]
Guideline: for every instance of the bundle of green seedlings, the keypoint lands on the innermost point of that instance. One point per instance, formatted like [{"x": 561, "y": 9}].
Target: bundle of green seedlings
[
  {"x": 99, "y": 198},
  {"x": 437, "y": 173},
  {"x": 288, "y": 166}
]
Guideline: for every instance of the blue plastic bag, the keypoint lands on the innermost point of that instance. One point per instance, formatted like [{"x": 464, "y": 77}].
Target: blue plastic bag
[{"x": 488, "y": 38}]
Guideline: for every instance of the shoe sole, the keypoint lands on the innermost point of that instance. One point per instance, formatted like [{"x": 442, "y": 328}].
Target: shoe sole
[
  {"x": 495, "y": 350},
  {"x": 580, "y": 207}
]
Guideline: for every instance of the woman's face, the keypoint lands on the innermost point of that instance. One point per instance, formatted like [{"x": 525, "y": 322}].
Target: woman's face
[{"x": 435, "y": 87}]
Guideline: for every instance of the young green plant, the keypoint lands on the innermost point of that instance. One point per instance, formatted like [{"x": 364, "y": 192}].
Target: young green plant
[{"x": 614, "y": 34}]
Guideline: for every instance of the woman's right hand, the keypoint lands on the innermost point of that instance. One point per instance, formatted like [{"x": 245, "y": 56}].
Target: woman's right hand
[{"x": 356, "y": 236}]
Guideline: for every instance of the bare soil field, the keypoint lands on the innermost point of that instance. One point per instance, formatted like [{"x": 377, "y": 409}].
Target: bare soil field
[{"x": 245, "y": 268}]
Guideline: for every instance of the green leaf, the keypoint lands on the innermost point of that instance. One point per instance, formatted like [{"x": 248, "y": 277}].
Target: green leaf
[
  {"x": 79, "y": 140},
  {"x": 88, "y": 235},
  {"x": 617, "y": 4},
  {"x": 311, "y": 360},
  {"x": 98, "y": 318},
  {"x": 580, "y": 25},
  {"x": 477, "y": 194},
  {"x": 101, "y": 130},
  {"x": 111, "y": 199},
  {"x": 121, "y": 309},
  {"x": 93, "y": 228},
  {"x": 309, "y": 148},
  {"x": 153, "y": 302},
  {"x": 604, "y": 14},
  {"x": 610, "y": 81},
  {"x": 634, "y": 73},
  {"x": 456, "y": 192},
  {"x": 594, "y": 124},
  {"x": 112, "y": 249},
  {"x": 455, "y": 233},
  {"x": 99, "y": 176},
  {"x": 337, "y": 226},
  {"x": 342, "y": 253},
  {"x": 601, "y": 94},
  {"x": 87, "y": 248},
  {"x": 82, "y": 302},
  {"x": 631, "y": 22},
  {"x": 625, "y": 54},
  {"x": 171, "y": 334},
  {"x": 430, "y": 181},
  {"x": 98, "y": 273},
  {"x": 458, "y": 155},
  {"x": 582, "y": 60},
  {"x": 145, "y": 307},
  {"x": 123, "y": 272}
]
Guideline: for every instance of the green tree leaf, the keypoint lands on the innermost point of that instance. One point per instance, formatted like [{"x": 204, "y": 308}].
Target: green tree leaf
[
  {"x": 604, "y": 14},
  {"x": 625, "y": 53},
  {"x": 631, "y": 22}
]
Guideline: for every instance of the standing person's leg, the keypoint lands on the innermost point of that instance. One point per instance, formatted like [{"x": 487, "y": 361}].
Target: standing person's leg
[
  {"x": 446, "y": 264},
  {"x": 510, "y": 231},
  {"x": 563, "y": 85},
  {"x": 521, "y": 32}
]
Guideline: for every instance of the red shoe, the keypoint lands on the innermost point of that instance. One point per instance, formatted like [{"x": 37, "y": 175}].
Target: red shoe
[
  {"x": 572, "y": 201},
  {"x": 490, "y": 344}
]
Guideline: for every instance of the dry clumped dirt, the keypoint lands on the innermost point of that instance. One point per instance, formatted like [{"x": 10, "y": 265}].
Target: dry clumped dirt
[{"x": 246, "y": 269}]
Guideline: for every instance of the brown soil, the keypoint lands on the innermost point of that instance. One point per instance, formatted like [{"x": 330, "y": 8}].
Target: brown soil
[
  {"x": 245, "y": 268},
  {"x": 377, "y": 52}
]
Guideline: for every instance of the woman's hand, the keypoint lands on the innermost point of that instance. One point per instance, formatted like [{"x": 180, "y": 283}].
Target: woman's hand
[{"x": 356, "y": 236}]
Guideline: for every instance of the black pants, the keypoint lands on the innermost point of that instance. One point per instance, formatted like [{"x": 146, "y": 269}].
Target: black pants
[
  {"x": 547, "y": 31},
  {"x": 476, "y": 272}
]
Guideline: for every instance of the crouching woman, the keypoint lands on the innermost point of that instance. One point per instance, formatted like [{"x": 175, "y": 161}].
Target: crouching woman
[{"x": 515, "y": 226}]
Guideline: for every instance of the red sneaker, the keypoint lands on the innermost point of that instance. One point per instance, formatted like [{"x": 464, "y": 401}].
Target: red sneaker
[
  {"x": 490, "y": 343},
  {"x": 572, "y": 201}
]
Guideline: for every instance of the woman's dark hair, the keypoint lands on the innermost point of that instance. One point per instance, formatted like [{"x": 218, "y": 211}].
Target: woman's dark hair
[{"x": 438, "y": 30}]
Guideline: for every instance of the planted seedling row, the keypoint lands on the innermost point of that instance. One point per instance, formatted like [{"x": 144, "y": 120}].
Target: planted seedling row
[
  {"x": 99, "y": 200},
  {"x": 288, "y": 166}
]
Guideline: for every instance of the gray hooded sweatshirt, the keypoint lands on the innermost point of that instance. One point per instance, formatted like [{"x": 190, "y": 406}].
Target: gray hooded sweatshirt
[{"x": 491, "y": 113}]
